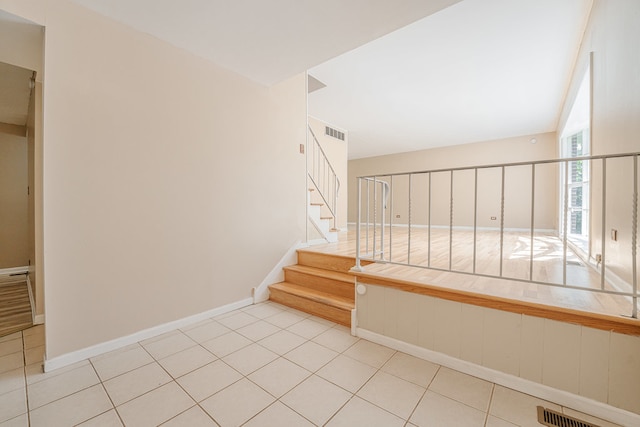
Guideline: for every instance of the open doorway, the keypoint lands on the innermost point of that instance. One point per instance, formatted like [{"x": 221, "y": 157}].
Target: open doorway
[
  {"x": 21, "y": 74},
  {"x": 17, "y": 238}
]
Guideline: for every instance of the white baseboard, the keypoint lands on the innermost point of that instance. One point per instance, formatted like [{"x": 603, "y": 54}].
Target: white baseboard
[
  {"x": 261, "y": 292},
  {"x": 14, "y": 270},
  {"x": 563, "y": 398},
  {"x": 105, "y": 347}
]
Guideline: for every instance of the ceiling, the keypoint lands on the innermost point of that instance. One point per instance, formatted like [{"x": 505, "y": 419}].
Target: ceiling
[
  {"x": 15, "y": 89},
  {"x": 266, "y": 41},
  {"x": 476, "y": 71}
]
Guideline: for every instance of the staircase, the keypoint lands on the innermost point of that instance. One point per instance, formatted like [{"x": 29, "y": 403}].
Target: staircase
[
  {"x": 320, "y": 284},
  {"x": 321, "y": 218}
]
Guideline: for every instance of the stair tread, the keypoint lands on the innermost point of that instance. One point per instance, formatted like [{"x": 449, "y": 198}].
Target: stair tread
[
  {"x": 321, "y": 272},
  {"x": 314, "y": 295}
]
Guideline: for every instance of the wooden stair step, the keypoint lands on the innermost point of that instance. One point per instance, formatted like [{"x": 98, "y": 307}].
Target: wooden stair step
[
  {"x": 331, "y": 307},
  {"x": 325, "y": 261},
  {"x": 329, "y": 281}
]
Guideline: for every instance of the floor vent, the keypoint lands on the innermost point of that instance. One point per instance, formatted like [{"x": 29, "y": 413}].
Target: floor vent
[{"x": 551, "y": 418}]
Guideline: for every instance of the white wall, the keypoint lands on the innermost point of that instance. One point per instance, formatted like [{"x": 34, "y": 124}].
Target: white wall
[
  {"x": 517, "y": 183},
  {"x": 599, "y": 365},
  {"x": 14, "y": 225},
  {"x": 160, "y": 176},
  {"x": 613, "y": 35}
]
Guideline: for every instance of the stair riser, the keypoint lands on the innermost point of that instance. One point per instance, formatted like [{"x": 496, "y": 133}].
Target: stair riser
[
  {"x": 333, "y": 314},
  {"x": 325, "y": 261},
  {"x": 323, "y": 284}
]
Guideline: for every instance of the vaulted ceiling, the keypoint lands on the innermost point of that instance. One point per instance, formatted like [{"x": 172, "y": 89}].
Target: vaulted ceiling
[{"x": 400, "y": 75}]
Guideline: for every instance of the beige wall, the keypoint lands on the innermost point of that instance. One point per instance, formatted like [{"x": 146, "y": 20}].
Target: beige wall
[
  {"x": 14, "y": 225},
  {"x": 336, "y": 152},
  {"x": 613, "y": 35},
  {"x": 518, "y": 201},
  {"x": 599, "y": 365},
  {"x": 160, "y": 175}
]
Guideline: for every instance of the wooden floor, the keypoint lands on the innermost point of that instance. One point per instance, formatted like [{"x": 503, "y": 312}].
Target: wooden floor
[
  {"x": 547, "y": 266},
  {"x": 15, "y": 307}
]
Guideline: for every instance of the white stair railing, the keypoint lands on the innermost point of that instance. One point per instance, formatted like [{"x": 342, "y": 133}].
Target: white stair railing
[
  {"x": 323, "y": 176},
  {"x": 375, "y": 216}
]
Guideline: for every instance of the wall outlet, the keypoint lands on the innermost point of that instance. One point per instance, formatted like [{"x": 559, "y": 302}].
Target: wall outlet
[
  {"x": 493, "y": 218},
  {"x": 301, "y": 148},
  {"x": 614, "y": 234}
]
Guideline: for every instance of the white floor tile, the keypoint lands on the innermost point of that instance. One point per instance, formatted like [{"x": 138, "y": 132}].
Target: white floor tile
[
  {"x": 397, "y": 396},
  {"x": 12, "y": 380},
  {"x": 188, "y": 360},
  {"x": 10, "y": 337},
  {"x": 237, "y": 320},
  {"x": 19, "y": 421},
  {"x": 156, "y": 406},
  {"x": 278, "y": 415},
  {"x": 108, "y": 419},
  {"x": 209, "y": 379},
  {"x": 135, "y": 383},
  {"x": 120, "y": 361},
  {"x": 316, "y": 399},
  {"x": 412, "y": 369},
  {"x": 169, "y": 345},
  {"x": 359, "y": 412},
  {"x": 35, "y": 372},
  {"x": 311, "y": 356},
  {"x": 308, "y": 328},
  {"x": 285, "y": 319},
  {"x": 437, "y": 410},
  {"x": 279, "y": 376},
  {"x": 517, "y": 408},
  {"x": 237, "y": 403},
  {"x": 73, "y": 409},
  {"x": 464, "y": 388},
  {"x": 258, "y": 330},
  {"x": 250, "y": 358},
  {"x": 347, "y": 373},
  {"x": 206, "y": 331},
  {"x": 282, "y": 342},
  {"x": 498, "y": 422},
  {"x": 262, "y": 311},
  {"x": 226, "y": 344},
  {"x": 195, "y": 416},
  {"x": 57, "y": 387},
  {"x": 370, "y": 353},
  {"x": 12, "y": 404},
  {"x": 337, "y": 339}
]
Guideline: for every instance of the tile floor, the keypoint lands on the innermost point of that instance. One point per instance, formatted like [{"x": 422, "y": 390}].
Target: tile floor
[{"x": 264, "y": 365}]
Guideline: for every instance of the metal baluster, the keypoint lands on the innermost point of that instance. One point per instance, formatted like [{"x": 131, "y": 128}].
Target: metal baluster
[
  {"x": 429, "y": 226},
  {"x": 358, "y": 264},
  {"x": 475, "y": 217},
  {"x": 533, "y": 201},
  {"x": 634, "y": 238},
  {"x": 382, "y": 218},
  {"x": 367, "y": 229},
  {"x": 501, "y": 220},
  {"x": 604, "y": 214},
  {"x": 451, "y": 221},
  {"x": 375, "y": 207},
  {"x": 565, "y": 223},
  {"x": 409, "y": 225},
  {"x": 391, "y": 217}
]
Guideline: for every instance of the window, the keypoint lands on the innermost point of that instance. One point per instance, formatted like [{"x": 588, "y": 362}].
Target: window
[{"x": 575, "y": 142}]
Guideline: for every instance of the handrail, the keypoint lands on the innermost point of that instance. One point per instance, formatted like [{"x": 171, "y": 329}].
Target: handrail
[
  {"x": 323, "y": 177},
  {"x": 386, "y": 190}
]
